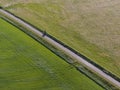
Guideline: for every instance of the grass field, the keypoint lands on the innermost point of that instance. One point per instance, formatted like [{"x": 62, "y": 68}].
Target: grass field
[
  {"x": 90, "y": 27},
  {"x": 27, "y": 65}
]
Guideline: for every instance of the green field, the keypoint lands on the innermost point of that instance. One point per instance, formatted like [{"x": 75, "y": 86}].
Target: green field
[
  {"x": 27, "y": 65},
  {"x": 90, "y": 27}
]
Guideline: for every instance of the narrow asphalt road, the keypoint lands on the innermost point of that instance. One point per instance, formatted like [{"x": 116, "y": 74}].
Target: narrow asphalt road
[{"x": 67, "y": 51}]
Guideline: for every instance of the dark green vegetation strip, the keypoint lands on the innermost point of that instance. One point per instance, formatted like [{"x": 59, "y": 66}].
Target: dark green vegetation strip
[{"x": 27, "y": 65}]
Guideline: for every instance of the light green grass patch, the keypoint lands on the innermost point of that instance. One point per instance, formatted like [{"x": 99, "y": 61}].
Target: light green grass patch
[{"x": 25, "y": 64}]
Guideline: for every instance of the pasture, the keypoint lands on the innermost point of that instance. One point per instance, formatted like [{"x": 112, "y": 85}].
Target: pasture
[
  {"x": 90, "y": 27},
  {"x": 26, "y": 65}
]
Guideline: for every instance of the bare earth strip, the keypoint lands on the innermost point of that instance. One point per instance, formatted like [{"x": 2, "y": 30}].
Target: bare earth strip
[{"x": 66, "y": 50}]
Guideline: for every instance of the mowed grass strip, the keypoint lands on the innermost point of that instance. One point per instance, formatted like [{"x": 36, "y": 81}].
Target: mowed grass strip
[
  {"x": 27, "y": 65},
  {"x": 90, "y": 27}
]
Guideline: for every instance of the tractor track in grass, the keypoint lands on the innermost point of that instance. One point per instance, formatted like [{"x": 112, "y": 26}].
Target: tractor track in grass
[{"x": 67, "y": 51}]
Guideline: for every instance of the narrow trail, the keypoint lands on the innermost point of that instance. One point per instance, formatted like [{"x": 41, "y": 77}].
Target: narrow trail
[{"x": 61, "y": 47}]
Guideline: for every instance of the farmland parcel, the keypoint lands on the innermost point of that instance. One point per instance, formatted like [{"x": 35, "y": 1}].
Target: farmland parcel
[
  {"x": 90, "y": 27},
  {"x": 25, "y": 64}
]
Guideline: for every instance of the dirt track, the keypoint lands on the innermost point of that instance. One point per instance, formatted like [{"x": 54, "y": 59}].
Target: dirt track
[{"x": 66, "y": 50}]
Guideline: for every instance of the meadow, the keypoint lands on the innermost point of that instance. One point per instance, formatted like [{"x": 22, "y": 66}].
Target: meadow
[
  {"x": 27, "y": 65},
  {"x": 90, "y": 27}
]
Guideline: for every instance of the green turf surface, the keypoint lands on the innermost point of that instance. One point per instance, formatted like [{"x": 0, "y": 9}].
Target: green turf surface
[
  {"x": 90, "y": 27},
  {"x": 27, "y": 65}
]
